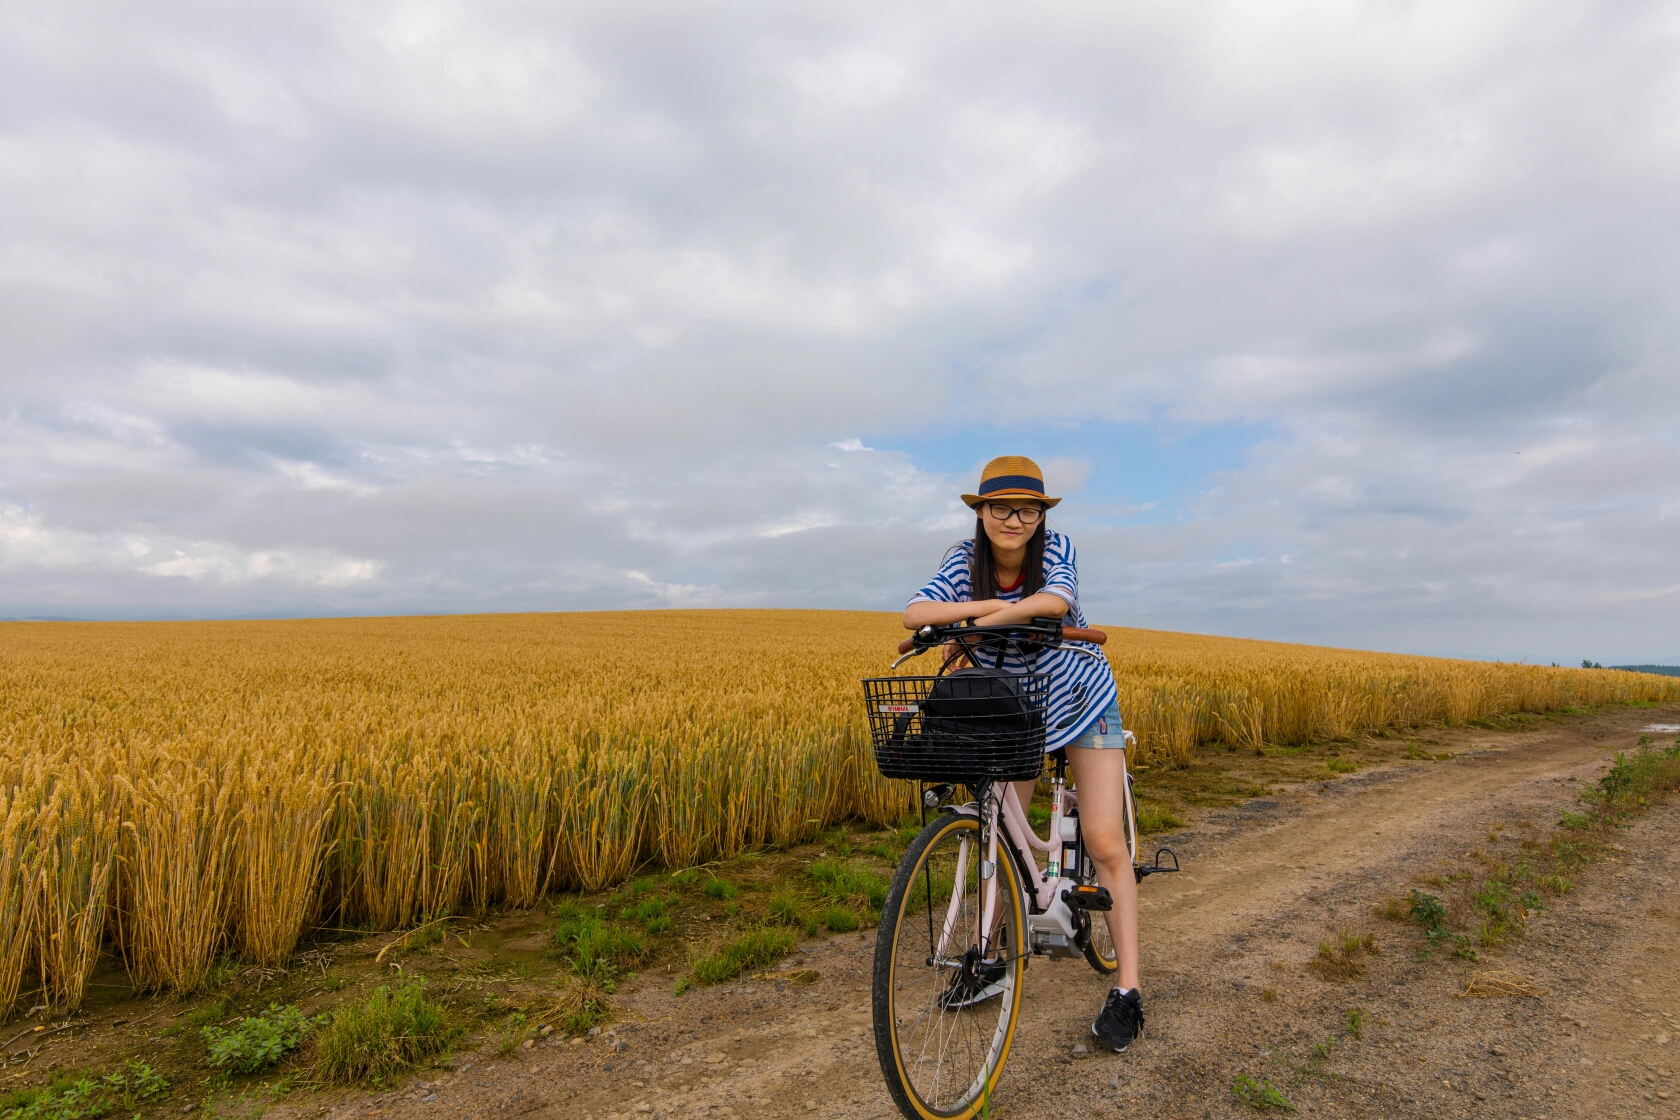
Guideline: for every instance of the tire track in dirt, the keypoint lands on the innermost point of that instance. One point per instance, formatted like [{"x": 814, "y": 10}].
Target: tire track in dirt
[{"x": 1263, "y": 884}]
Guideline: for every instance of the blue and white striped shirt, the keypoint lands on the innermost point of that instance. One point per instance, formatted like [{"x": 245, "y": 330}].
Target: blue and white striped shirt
[{"x": 1081, "y": 688}]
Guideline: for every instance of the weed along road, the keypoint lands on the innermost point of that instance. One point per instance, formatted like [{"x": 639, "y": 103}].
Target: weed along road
[{"x": 1419, "y": 939}]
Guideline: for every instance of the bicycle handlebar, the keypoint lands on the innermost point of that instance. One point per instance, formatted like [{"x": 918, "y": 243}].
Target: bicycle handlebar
[{"x": 944, "y": 633}]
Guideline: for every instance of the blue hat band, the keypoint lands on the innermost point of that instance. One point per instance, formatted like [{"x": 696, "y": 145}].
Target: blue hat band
[{"x": 1011, "y": 482}]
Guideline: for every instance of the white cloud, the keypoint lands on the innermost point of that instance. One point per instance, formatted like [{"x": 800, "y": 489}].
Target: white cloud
[
  {"x": 220, "y": 564},
  {"x": 312, "y": 476},
  {"x": 800, "y": 523},
  {"x": 430, "y": 308},
  {"x": 687, "y": 595},
  {"x": 27, "y": 542}
]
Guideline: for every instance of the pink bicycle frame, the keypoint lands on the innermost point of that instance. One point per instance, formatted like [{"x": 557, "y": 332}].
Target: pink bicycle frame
[{"x": 1046, "y": 881}]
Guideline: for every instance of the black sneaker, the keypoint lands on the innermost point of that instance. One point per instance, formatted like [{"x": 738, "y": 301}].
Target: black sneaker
[{"x": 1121, "y": 1020}]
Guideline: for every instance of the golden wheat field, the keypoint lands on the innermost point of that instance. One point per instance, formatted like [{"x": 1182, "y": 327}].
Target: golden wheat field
[{"x": 173, "y": 791}]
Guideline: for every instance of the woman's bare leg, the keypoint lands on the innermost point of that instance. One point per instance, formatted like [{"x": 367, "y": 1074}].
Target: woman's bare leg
[
  {"x": 1024, "y": 793},
  {"x": 1100, "y": 776}
]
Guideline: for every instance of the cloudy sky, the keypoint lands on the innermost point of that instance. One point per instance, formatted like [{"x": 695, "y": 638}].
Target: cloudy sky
[{"x": 1352, "y": 324}]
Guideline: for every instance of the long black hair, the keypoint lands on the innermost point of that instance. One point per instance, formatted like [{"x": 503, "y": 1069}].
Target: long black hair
[{"x": 982, "y": 576}]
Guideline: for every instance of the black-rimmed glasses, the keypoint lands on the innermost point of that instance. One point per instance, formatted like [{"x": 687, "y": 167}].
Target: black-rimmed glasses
[{"x": 1028, "y": 515}]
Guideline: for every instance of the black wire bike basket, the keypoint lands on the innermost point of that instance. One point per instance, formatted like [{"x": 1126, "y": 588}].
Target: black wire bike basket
[{"x": 965, "y": 726}]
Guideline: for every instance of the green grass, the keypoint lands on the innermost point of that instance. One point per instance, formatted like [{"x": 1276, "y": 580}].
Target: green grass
[
  {"x": 394, "y": 1029},
  {"x": 213, "y": 1012},
  {"x": 839, "y": 919},
  {"x": 1341, "y": 766},
  {"x": 1429, "y": 912},
  {"x": 839, "y": 842},
  {"x": 1492, "y": 906},
  {"x": 87, "y": 1098},
  {"x": 652, "y": 911},
  {"x": 593, "y": 947},
  {"x": 784, "y": 909},
  {"x": 1346, "y": 961},
  {"x": 258, "y": 1041},
  {"x": 643, "y": 910},
  {"x": 1504, "y": 911},
  {"x": 1636, "y": 783},
  {"x": 1157, "y": 818},
  {"x": 1259, "y": 1094},
  {"x": 720, "y": 888},
  {"x": 513, "y": 1032},
  {"x": 754, "y": 949},
  {"x": 885, "y": 852},
  {"x": 839, "y": 881}
]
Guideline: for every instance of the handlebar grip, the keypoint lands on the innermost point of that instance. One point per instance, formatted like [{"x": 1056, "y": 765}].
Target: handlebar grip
[{"x": 907, "y": 645}]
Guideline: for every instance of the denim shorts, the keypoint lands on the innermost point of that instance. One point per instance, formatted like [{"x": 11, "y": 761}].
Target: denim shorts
[{"x": 1105, "y": 731}]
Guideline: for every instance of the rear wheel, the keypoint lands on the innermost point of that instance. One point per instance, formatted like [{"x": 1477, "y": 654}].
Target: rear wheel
[
  {"x": 1099, "y": 944},
  {"x": 946, "y": 991}
]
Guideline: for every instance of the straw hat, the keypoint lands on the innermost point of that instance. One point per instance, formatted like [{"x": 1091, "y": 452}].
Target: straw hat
[{"x": 1010, "y": 476}]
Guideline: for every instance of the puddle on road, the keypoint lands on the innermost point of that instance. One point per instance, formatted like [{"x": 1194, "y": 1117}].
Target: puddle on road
[{"x": 1663, "y": 728}]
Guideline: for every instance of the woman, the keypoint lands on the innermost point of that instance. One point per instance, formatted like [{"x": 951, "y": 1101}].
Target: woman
[{"x": 1015, "y": 569}]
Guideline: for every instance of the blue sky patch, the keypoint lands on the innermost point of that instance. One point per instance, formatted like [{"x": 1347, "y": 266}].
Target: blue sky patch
[{"x": 1136, "y": 473}]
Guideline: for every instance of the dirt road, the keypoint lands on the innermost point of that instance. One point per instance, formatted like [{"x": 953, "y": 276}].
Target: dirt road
[{"x": 1226, "y": 988}]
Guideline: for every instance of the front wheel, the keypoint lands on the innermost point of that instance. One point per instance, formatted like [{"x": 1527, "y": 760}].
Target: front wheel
[{"x": 947, "y": 985}]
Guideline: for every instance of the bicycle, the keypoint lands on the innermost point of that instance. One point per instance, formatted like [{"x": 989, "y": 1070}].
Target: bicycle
[{"x": 969, "y": 904}]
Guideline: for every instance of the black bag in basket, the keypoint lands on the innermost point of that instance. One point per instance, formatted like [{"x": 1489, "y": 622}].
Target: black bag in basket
[{"x": 979, "y": 708}]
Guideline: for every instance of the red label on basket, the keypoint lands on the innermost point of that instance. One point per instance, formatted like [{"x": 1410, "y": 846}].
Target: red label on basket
[{"x": 898, "y": 709}]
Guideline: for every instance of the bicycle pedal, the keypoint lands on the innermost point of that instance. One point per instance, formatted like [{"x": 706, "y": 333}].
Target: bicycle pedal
[
  {"x": 1089, "y": 897},
  {"x": 1143, "y": 869}
]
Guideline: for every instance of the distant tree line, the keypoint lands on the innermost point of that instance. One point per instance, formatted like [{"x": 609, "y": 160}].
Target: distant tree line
[{"x": 1664, "y": 670}]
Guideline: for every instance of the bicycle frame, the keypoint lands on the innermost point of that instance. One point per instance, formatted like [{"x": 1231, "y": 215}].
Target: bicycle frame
[{"x": 1048, "y": 913}]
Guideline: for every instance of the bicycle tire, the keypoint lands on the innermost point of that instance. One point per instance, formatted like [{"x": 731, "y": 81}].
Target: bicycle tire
[
  {"x": 1099, "y": 944},
  {"x": 911, "y": 994}
]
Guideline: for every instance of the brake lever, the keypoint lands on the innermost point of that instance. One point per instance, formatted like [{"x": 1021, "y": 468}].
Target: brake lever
[{"x": 907, "y": 656}]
